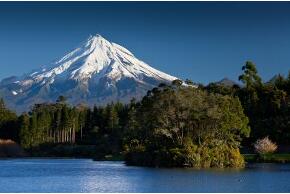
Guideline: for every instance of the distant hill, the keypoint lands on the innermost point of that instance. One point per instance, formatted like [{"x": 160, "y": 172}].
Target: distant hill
[
  {"x": 227, "y": 82},
  {"x": 275, "y": 78}
]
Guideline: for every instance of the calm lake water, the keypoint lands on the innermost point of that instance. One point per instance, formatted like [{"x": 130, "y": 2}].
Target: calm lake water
[{"x": 81, "y": 175}]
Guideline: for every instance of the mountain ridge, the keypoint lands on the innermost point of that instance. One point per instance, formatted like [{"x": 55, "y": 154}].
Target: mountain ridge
[
  {"x": 96, "y": 72},
  {"x": 226, "y": 82}
]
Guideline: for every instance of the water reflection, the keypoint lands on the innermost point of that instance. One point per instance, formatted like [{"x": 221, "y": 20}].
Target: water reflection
[{"x": 48, "y": 175}]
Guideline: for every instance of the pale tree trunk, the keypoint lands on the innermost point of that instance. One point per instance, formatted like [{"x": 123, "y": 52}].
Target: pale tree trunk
[
  {"x": 81, "y": 132},
  {"x": 73, "y": 135}
]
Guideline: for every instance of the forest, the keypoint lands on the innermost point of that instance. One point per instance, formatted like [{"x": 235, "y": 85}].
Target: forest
[{"x": 175, "y": 125}]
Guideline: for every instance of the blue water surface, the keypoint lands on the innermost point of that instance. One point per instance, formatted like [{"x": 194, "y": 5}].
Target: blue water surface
[{"x": 84, "y": 175}]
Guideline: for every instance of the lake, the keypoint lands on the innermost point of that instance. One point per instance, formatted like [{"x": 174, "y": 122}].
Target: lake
[{"x": 84, "y": 175}]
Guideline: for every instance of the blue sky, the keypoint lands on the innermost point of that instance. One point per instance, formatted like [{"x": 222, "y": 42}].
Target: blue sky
[{"x": 202, "y": 41}]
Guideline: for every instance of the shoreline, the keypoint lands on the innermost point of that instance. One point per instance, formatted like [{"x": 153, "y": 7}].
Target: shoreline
[
  {"x": 281, "y": 158},
  {"x": 267, "y": 158}
]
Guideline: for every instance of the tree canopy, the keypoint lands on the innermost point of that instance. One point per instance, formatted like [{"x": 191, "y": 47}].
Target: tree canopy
[
  {"x": 173, "y": 125},
  {"x": 187, "y": 127}
]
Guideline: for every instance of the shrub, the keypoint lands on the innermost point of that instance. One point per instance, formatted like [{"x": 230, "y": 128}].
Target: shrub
[{"x": 265, "y": 146}]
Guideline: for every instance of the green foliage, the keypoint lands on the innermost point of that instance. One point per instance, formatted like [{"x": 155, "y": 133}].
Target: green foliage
[
  {"x": 277, "y": 158},
  {"x": 222, "y": 89},
  {"x": 8, "y": 123},
  {"x": 250, "y": 76},
  {"x": 268, "y": 107},
  {"x": 177, "y": 82},
  {"x": 189, "y": 82},
  {"x": 187, "y": 127},
  {"x": 173, "y": 125},
  {"x": 24, "y": 133},
  {"x": 61, "y": 99},
  {"x": 59, "y": 124}
]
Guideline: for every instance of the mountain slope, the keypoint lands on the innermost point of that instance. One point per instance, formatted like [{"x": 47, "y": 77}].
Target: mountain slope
[
  {"x": 97, "y": 72},
  {"x": 226, "y": 82}
]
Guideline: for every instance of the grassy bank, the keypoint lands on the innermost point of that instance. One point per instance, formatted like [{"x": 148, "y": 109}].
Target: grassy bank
[
  {"x": 275, "y": 158},
  {"x": 9, "y": 148}
]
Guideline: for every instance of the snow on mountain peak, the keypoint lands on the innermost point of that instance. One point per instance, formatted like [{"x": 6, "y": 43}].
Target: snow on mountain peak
[
  {"x": 97, "y": 71},
  {"x": 98, "y": 55}
]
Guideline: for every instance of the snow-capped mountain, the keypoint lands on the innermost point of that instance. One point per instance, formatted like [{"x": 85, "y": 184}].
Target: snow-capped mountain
[{"x": 97, "y": 72}]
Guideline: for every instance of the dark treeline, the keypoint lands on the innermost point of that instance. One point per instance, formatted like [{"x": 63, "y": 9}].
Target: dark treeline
[
  {"x": 267, "y": 104},
  {"x": 8, "y": 123},
  {"x": 58, "y": 123},
  {"x": 176, "y": 124}
]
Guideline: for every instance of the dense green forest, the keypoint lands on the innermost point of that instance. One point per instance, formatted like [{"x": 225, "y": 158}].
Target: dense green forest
[
  {"x": 173, "y": 125},
  {"x": 266, "y": 104},
  {"x": 179, "y": 125}
]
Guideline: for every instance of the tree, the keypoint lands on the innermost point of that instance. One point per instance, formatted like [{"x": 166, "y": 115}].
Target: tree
[
  {"x": 8, "y": 123},
  {"x": 265, "y": 146},
  {"x": 220, "y": 89},
  {"x": 250, "y": 76},
  {"x": 188, "y": 127},
  {"x": 2, "y": 104},
  {"x": 177, "y": 82},
  {"x": 189, "y": 82},
  {"x": 24, "y": 133},
  {"x": 61, "y": 99},
  {"x": 113, "y": 119},
  {"x": 65, "y": 123}
]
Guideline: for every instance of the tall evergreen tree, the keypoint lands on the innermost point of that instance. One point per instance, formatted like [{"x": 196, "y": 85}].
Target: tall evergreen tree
[
  {"x": 24, "y": 134},
  {"x": 250, "y": 76}
]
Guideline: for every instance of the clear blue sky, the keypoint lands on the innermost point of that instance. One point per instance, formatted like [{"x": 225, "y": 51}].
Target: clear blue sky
[{"x": 203, "y": 41}]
